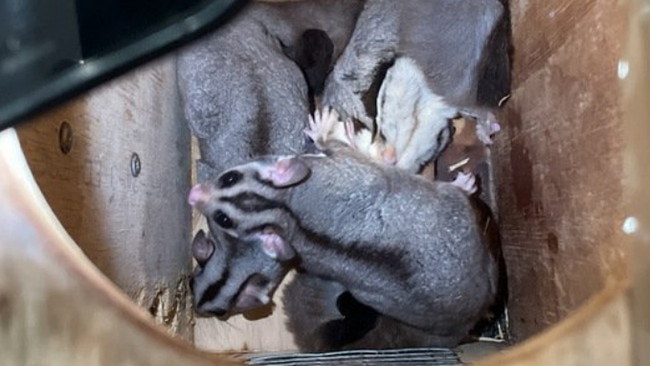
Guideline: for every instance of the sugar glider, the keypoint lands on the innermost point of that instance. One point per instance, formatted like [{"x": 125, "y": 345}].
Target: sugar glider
[
  {"x": 323, "y": 316},
  {"x": 461, "y": 46},
  {"x": 245, "y": 87},
  {"x": 384, "y": 234},
  {"x": 406, "y": 145},
  {"x": 232, "y": 278},
  {"x": 412, "y": 124},
  {"x": 245, "y": 91},
  {"x": 413, "y": 121}
]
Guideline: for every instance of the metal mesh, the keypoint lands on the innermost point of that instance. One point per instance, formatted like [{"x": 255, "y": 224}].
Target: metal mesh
[{"x": 410, "y": 357}]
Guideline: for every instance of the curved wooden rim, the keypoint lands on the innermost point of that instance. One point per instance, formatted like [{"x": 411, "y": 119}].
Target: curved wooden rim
[
  {"x": 28, "y": 196},
  {"x": 575, "y": 322}
]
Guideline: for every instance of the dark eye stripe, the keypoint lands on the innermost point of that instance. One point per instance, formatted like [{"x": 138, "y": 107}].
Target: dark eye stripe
[
  {"x": 213, "y": 290},
  {"x": 223, "y": 220},
  {"x": 229, "y": 179}
]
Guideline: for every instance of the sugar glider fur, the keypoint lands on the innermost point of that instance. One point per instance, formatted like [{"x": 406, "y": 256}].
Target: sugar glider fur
[
  {"x": 409, "y": 143},
  {"x": 413, "y": 125},
  {"x": 244, "y": 88},
  {"x": 461, "y": 46},
  {"x": 324, "y": 317},
  {"x": 404, "y": 246},
  {"x": 232, "y": 277},
  {"x": 414, "y": 122}
]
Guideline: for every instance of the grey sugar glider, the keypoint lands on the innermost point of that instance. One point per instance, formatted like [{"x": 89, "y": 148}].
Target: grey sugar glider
[
  {"x": 412, "y": 123},
  {"x": 321, "y": 314},
  {"x": 404, "y": 246},
  {"x": 244, "y": 88},
  {"x": 324, "y": 317},
  {"x": 461, "y": 46}
]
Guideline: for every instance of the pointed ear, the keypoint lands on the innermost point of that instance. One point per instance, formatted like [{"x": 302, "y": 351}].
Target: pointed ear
[
  {"x": 246, "y": 301},
  {"x": 285, "y": 171},
  {"x": 275, "y": 247},
  {"x": 202, "y": 247},
  {"x": 251, "y": 296}
]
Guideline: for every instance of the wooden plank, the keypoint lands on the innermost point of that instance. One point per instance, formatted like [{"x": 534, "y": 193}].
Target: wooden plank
[
  {"x": 559, "y": 160},
  {"x": 56, "y": 308},
  {"x": 134, "y": 227}
]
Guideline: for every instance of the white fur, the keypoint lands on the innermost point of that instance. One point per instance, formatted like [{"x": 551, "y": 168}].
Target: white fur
[
  {"x": 410, "y": 116},
  {"x": 326, "y": 125}
]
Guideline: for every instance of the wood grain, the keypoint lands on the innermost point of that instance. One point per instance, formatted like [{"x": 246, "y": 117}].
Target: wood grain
[
  {"x": 597, "y": 334},
  {"x": 635, "y": 73},
  {"x": 559, "y": 160},
  {"x": 134, "y": 228},
  {"x": 56, "y": 307}
]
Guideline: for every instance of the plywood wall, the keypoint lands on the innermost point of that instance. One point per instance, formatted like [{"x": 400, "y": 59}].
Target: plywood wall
[
  {"x": 559, "y": 159},
  {"x": 113, "y": 165}
]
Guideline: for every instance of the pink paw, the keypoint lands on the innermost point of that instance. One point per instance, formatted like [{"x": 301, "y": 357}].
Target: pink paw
[
  {"x": 486, "y": 128},
  {"x": 466, "y": 182},
  {"x": 321, "y": 125},
  {"x": 350, "y": 134}
]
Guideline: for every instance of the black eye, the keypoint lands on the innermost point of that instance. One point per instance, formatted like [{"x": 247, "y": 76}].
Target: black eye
[
  {"x": 223, "y": 220},
  {"x": 229, "y": 179}
]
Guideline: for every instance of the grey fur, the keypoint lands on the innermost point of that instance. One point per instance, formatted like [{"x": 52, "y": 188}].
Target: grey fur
[
  {"x": 242, "y": 95},
  {"x": 235, "y": 278},
  {"x": 454, "y": 42},
  {"x": 400, "y": 244},
  {"x": 318, "y": 325}
]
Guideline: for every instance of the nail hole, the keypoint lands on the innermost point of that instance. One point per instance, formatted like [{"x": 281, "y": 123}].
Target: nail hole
[
  {"x": 65, "y": 137},
  {"x": 136, "y": 165}
]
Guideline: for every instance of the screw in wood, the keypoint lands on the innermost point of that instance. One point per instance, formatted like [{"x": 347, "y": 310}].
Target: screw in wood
[
  {"x": 136, "y": 165},
  {"x": 65, "y": 137}
]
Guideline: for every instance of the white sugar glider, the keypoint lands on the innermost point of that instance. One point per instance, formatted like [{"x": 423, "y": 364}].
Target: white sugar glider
[
  {"x": 322, "y": 127},
  {"x": 412, "y": 126},
  {"x": 414, "y": 121},
  {"x": 325, "y": 126},
  {"x": 461, "y": 46}
]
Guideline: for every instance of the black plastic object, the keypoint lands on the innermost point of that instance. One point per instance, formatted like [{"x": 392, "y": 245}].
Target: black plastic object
[{"x": 51, "y": 50}]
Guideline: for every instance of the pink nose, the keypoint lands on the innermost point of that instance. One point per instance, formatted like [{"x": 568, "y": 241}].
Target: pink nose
[{"x": 196, "y": 195}]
